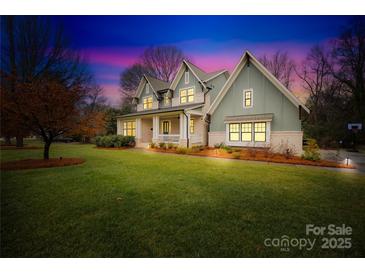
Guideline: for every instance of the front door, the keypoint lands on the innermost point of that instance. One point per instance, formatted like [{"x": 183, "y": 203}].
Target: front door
[{"x": 166, "y": 127}]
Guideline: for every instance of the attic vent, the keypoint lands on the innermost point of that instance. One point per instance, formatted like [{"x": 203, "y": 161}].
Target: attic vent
[{"x": 147, "y": 88}]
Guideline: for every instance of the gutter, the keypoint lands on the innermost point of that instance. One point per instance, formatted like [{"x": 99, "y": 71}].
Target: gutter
[{"x": 187, "y": 128}]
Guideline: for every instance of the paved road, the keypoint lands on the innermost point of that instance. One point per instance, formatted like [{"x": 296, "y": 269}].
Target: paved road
[{"x": 355, "y": 158}]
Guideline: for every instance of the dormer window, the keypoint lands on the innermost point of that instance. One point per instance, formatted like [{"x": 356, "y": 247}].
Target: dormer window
[
  {"x": 186, "y": 77},
  {"x": 166, "y": 99},
  {"x": 147, "y": 102},
  {"x": 147, "y": 88}
]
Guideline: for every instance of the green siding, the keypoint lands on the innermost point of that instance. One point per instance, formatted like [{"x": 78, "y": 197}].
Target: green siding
[
  {"x": 216, "y": 84},
  {"x": 266, "y": 99},
  {"x": 193, "y": 82},
  {"x": 144, "y": 94}
]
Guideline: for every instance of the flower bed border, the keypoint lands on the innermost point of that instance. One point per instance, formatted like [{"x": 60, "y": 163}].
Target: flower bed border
[
  {"x": 277, "y": 158},
  {"x": 40, "y": 163}
]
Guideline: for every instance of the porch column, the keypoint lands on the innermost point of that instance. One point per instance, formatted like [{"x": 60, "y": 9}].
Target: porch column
[
  {"x": 156, "y": 126},
  {"x": 138, "y": 131},
  {"x": 183, "y": 134}
]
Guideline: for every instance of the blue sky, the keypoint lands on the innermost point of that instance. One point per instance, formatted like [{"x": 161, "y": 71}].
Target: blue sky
[{"x": 112, "y": 43}]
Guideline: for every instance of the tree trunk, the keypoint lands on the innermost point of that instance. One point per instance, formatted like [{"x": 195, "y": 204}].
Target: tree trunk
[
  {"x": 19, "y": 141},
  {"x": 7, "y": 140},
  {"x": 46, "y": 150}
]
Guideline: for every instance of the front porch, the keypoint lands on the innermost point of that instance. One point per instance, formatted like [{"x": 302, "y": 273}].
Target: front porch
[{"x": 179, "y": 128}]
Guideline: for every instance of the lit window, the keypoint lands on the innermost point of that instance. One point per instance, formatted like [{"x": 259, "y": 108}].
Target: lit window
[
  {"x": 186, "y": 95},
  {"x": 260, "y": 132},
  {"x": 246, "y": 132},
  {"x": 186, "y": 77},
  {"x": 192, "y": 126},
  {"x": 147, "y": 88},
  {"x": 129, "y": 128},
  {"x": 147, "y": 102},
  {"x": 248, "y": 98},
  {"x": 166, "y": 99},
  {"x": 234, "y": 132}
]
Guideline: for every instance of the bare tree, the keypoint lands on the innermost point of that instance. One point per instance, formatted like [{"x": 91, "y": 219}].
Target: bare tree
[
  {"x": 161, "y": 62},
  {"x": 130, "y": 78},
  {"x": 316, "y": 75},
  {"x": 281, "y": 66},
  {"x": 349, "y": 56}
]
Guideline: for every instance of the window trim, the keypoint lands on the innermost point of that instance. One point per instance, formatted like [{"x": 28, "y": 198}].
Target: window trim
[
  {"x": 250, "y": 123},
  {"x": 169, "y": 122},
  {"x": 254, "y": 131},
  {"x": 164, "y": 99},
  {"x": 187, "y": 96},
  {"x": 251, "y": 143},
  {"x": 192, "y": 126},
  {"x": 146, "y": 97},
  {"x": 187, "y": 77},
  {"x": 244, "y": 98},
  {"x": 132, "y": 128},
  {"x": 239, "y": 132}
]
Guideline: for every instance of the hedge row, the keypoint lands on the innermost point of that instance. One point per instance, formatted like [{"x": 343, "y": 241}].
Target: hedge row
[{"x": 115, "y": 141}]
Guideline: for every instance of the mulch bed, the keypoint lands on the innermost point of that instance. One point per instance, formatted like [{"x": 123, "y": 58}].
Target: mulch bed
[
  {"x": 14, "y": 147},
  {"x": 258, "y": 155},
  {"x": 40, "y": 163}
]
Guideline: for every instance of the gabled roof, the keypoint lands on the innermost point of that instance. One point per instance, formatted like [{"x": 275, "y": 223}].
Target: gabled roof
[
  {"x": 156, "y": 85},
  {"x": 247, "y": 56},
  {"x": 202, "y": 76}
]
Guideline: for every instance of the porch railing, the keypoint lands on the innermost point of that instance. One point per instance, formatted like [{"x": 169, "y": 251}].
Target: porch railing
[
  {"x": 169, "y": 138},
  {"x": 195, "y": 139}
]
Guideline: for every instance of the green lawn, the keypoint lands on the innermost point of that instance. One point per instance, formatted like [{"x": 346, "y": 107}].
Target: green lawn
[{"x": 136, "y": 204}]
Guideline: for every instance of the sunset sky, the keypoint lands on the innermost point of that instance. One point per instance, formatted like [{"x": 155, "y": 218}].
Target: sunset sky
[{"x": 112, "y": 43}]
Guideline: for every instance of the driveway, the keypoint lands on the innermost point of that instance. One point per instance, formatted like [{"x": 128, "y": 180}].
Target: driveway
[{"x": 354, "y": 158}]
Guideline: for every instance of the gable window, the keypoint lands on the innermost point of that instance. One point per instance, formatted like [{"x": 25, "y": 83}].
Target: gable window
[
  {"x": 166, "y": 99},
  {"x": 234, "y": 132},
  {"x": 247, "y": 97},
  {"x": 186, "y": 77},
  {"x": 192, "y": 126},
  {"x": 147, "y": 102},
  {"x": 147, "y": 89},
  {"x": 246, "y": 132},
  {"x": 129, "y": 128},
  {"x": 260, "y": 132},
  {"x": 186, "y": 95}
]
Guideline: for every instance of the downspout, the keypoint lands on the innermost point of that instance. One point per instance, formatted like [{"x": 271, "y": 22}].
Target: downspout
[{"x": 187, "y": 129}]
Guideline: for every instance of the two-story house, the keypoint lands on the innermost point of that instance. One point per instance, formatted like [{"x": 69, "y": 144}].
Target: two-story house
[{"x": 249, "y": 108}]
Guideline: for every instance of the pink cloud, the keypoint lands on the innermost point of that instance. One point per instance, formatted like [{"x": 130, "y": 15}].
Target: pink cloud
[
  {"x": 111, "y": 91},
  {"x": 118, "y": 57}
]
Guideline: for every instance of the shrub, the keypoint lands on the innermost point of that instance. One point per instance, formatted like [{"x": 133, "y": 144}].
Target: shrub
[
  {"x": 237, "y": 150},
  {"x": 170, "y": 146},
  {"x": 311, "y": 151},
  {"x": 162, "y": 145},
  {"x": 228, "y": 149},
  {"x": 181, "y": 150},
  {"x": 197, "y": 148},
  {"x": 220, "y": 145},
  {"x": 236, "y": 155},
  {"x": 114, "y": 141},
  {"x": 152, "y": 145}
]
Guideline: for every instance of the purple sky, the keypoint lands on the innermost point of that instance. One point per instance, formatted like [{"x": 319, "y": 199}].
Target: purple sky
[{"x": 112, "y": 43}]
